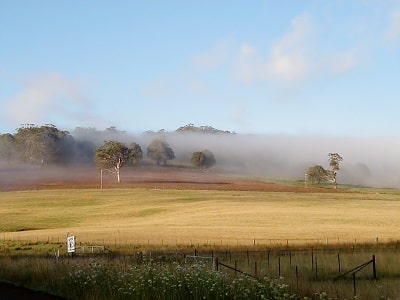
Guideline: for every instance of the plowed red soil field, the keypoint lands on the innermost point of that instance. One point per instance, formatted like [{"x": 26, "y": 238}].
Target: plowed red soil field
[{"x": 35, "y": 177}]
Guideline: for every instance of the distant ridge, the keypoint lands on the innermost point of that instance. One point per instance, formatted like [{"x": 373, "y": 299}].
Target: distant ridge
[{"x": 201, "y": 129}]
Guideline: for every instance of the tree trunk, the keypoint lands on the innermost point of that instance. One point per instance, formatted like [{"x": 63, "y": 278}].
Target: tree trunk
[
  {"x": 117, "y": 170},
  {"x": 118, "y": 176}
]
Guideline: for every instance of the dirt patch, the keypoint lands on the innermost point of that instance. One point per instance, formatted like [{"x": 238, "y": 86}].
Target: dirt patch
[{"x": 35, "y": 177}]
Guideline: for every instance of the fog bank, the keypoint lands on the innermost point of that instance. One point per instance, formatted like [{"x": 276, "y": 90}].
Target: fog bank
[{"x": 366, "y": 161}]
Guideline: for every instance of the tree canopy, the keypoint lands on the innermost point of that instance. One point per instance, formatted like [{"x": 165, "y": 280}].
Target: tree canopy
[
  {"x": 317, "y": 174},
  {"x": 114, "y": 155},
  {"x": 203, "y": 159},
  {"x": 334, "y": 159},
  {"x": 44, "y": 144},
  {"x": 160, "y": 151}
]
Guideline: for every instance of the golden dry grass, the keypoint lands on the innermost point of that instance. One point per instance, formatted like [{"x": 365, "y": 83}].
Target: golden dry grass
[{"x": 170, "y": 217}]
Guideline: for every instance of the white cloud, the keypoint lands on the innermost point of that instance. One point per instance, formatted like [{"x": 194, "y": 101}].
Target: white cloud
[
  {"x": 214, "y": 58},
  {"x": 287, "y": 61},
  {"x": 393, "y": 30},
  {"x": 47, "y": 98},
  {"x": 344, "y": 61}
]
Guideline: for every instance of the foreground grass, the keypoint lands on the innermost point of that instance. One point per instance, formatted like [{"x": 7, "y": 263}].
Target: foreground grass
[
  {"x": 157, "y": 275},
  {"x": 175, "y": 217},
  {"x": 36, "y": 222},
  {"x": 102, "y": 279}
]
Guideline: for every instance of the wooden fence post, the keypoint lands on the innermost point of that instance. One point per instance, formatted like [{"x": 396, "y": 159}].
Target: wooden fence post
[
  {"x": 354, "y": 284},
  {"x": 236, "y": 268},
  {"x": 312, "y": 258},
  {"x": 216, "y": 264},
  {"x": 279, "y": 266},
  {"x": 373, "y": 266},
  {"x": 339, "y": 264}
]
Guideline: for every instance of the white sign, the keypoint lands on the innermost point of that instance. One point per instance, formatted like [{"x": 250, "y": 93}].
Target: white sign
[{"x": 71, "y": 244}]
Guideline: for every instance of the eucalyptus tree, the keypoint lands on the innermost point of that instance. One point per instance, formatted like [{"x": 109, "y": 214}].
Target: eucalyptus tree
[
  {"x": 43, "y": 144},
  {"x": 203, "y": 159},
  {"x": 317, "y": 174},
  {"x": 113, "y": 155},
  {"x": 7, "y": 147},
  {"x": 334, "y": 160},
  {"x": 160, "y": 151}
]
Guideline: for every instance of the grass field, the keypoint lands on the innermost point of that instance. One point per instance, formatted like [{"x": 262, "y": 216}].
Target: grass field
[
  {"x": 171, "y": 217},
  {"x": 37, "y": 222}
]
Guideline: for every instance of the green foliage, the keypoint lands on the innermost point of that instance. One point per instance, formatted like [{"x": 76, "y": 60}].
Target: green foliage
[
  {"x": 317, "y": 174},
  {"x": 137, "y": 152},
  {"x": 146, "y": 279},
  {"x": 334, "y": 159},
  {"x": 114, "y": 155},
  {"x": 44, "y": 144},
  {"x": 7, "y": 146},
  {"x": 201, "y": 129},
  {"x": 203, "y": 159},
  {"x": 160, "y": 151}
]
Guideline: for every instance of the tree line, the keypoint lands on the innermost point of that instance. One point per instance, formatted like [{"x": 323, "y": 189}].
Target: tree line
[{"x": 47, "y": 144}]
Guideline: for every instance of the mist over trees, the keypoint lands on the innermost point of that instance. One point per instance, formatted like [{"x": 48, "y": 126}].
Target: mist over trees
[
  {"x": 160, "y": 151},
  {"x": 317, "y": 174},
  {"x": 203, "y": 159},
  {"x": 263, "y": 156}
]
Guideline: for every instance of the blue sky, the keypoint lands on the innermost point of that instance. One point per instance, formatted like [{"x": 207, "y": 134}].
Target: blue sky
[{"x": 263, "y": 67}]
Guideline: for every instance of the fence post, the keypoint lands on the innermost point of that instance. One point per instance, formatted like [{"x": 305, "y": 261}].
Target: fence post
[
  {"x": 279, "y": 266},
  {"x": 373, "y": 266},
  {"x": 297, "y": 278},
  {"x": 216, "y": 263},
  {"x": 354, "y": 284},
  {"x": 255, "y": 269},
  {"x": 338, "y": 258},
  {"x": 312, "y": 259},
  {"x": 248, "y": 258},
  {"x": 316, "y": 269},
  {"x": 236, "y": 268}
]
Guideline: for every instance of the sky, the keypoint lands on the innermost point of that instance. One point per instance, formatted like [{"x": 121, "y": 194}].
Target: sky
[{"x": 297, "y": 67}]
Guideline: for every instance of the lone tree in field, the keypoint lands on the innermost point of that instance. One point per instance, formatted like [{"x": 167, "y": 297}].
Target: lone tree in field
[
  {"x": 113, "y": 155},
  {"x": 160, "y": 151},
  {"x": 203, "y": 159},
  {"x": 317, "y": 174},
  {"x": 334, "y": 159}
]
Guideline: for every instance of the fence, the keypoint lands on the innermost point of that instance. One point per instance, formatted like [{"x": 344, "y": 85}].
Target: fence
[{"x": 311, "y": 267}]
